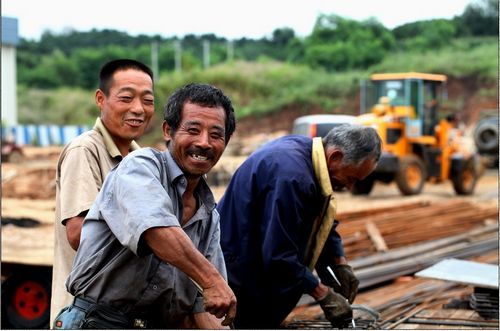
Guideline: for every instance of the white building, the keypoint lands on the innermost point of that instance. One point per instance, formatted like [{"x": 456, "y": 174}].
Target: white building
[{"x": 10, "y": 39}]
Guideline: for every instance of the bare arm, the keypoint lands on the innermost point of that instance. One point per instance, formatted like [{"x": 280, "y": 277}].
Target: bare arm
[
  {"x": 172, "y": 245},
  {"x": 206, "y": 321},
  {"x": 74, "y": 229}
]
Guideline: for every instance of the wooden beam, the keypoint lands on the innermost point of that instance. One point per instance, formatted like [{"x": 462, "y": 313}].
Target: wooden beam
[{"x": 376, "y": 237}]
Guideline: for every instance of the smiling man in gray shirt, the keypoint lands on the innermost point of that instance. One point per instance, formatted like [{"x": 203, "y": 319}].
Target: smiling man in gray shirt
[{"x": 151, "y": 238}]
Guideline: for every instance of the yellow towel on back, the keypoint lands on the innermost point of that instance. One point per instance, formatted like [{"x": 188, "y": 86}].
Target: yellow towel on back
[{"x": 324, "y": 221}]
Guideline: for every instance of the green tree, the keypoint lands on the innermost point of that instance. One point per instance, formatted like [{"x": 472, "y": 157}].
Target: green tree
[
  {"x": 480, "y": 18},
  {"x": 337, "y": 43},
  {"x": 425, "y": 35},
  {"x": 51, "y": 71}
]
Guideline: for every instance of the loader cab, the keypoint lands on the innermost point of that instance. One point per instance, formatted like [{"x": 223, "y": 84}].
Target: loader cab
[{"x": 412, "y": 98}]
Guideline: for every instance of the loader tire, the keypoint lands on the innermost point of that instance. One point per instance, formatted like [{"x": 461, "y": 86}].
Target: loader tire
[
  {"x": 486, "y": 135},
  {"x": 411, "y": 175},
  {"x": 465, "y": 181}
]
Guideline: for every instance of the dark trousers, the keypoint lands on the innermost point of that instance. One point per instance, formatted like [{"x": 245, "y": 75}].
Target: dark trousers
[
  {"x": 83, "y": 314},
  {"x": 264, "y": 312}
]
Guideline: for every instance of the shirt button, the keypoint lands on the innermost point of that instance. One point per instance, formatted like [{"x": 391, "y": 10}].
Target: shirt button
[{"x": 155, "y": 287}]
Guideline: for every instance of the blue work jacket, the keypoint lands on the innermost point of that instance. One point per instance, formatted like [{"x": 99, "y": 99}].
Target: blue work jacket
[{"x": 267, "y": 213}]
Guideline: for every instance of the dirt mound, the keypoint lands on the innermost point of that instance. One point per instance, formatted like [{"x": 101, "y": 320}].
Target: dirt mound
[{"x": 29, "y": 183}]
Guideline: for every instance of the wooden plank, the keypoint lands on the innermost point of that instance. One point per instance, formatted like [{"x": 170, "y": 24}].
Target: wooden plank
[{"x": 376, "y": 237}]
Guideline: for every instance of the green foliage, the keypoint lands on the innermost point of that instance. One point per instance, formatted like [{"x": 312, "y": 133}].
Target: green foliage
[
  {"x": 336, "y": 44},
  {"x": 341, "y": 44},
  {"x": 62, "y": 106},
  {"x": 461, "y": 58},
  {"x": 480, "y": 18},
  {"x": 258, "y": 88},
  {"x": 424, "y": 35},
  {"x": 57, "y": 76}
]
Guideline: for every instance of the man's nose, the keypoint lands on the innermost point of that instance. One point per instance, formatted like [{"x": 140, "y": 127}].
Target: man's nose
[
  {"x": 137, "y": 106},
  {"x": 203, "y": 140}
]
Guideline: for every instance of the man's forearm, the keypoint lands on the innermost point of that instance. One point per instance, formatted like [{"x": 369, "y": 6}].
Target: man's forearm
[
  {"x": 74, "y": 230},
  {"x": 181, "y": 253},
  {"x": 205, "y": 321},
  {"x": 172, "y": 245}
]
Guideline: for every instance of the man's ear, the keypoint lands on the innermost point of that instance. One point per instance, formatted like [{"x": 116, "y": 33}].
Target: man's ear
[
  {"x": 334, "y": 155},
  {"x": 166, "y": 131},
  {"x": 99, "y": 98}
]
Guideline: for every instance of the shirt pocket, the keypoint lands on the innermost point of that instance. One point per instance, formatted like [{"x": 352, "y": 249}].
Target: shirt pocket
[{"x": 161, "y": 283}]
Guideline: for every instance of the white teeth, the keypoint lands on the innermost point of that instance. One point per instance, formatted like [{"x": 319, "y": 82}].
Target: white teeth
[{"x": 199, "y": 157}]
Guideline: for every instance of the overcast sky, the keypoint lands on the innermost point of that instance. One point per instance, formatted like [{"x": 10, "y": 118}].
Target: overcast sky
[{"x": 225, "y": 18}]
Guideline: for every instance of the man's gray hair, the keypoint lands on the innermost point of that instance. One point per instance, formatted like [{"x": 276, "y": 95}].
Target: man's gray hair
[{"x": 355, "y": 141}]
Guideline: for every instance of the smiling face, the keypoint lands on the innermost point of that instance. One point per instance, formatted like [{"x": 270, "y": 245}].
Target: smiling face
[
  {"x": 126, "y": 111},
  {"x": 199, "y": 141},
  {"x": 344, "y": 175}
]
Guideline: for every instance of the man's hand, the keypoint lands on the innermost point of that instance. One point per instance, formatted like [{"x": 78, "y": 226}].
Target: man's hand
[
  {"x": 348, "y": 282},
  {"x": 219, "y": 300},
  {"x": 336, "y": 309},
  {"x": 172, "y": 245}
]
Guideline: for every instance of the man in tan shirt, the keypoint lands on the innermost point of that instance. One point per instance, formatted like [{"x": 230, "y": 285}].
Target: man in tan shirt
[{"x": 126, "y": 101}]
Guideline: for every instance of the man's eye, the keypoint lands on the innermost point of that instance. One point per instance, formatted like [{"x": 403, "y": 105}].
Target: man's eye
[
  {"x": 149, "y": 101},
  {"x": 216, "y": 135},
  {"x": 126, "y": 98},
  {"x": 193, "y": 130}
]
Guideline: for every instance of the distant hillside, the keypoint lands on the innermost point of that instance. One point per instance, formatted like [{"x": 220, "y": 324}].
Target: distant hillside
[{"x": 268, "y": 95}]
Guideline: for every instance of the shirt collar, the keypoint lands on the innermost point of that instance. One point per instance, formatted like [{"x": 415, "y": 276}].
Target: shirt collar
[{"x": 108, "y": 140}]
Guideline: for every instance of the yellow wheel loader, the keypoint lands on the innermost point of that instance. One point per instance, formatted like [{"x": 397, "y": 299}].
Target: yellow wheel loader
[{"x": 417, "y": 144}]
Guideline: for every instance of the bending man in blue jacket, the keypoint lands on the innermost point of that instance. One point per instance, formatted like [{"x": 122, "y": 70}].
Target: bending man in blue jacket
[{"x": 270, "y": 215}]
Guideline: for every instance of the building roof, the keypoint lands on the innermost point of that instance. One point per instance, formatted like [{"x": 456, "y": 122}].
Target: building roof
[{"x": 409, "y": 75}]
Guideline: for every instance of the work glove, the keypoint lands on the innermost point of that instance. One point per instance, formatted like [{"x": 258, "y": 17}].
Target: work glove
[
  {"x": 348, "y": 282},
  {"x": 336, "y": 309}
]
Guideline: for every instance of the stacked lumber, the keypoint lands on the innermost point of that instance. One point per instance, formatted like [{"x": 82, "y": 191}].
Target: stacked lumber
[
  {"x": 386, "y": 246},
  {"x": 386, "y": 266},
  {"x": 367, "y": 232},
  {"x": 407, "y": 303}
]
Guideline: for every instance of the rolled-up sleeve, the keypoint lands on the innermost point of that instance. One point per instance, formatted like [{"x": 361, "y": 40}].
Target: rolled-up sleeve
[
  {"x": 79, "y": 182},
  {"x": 135, "y": 201}
]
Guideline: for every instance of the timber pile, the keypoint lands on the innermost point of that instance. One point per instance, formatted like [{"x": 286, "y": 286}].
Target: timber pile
[
  {"x": 385, "y": 266},
  {"x": 31, "y": 183},
  {"x": 377, "y": 230},
  {"x": 407, "y": 303},
  {"x": 386, "y": 246}
]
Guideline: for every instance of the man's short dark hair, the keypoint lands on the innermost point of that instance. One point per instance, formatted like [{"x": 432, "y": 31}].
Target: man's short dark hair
[
  {"x": 109, "y": 69},
  {"x": 200, "y": 94}
]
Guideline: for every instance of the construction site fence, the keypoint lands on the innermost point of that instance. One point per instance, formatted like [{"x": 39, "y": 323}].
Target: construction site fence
[{"x": 42, "y": 135}]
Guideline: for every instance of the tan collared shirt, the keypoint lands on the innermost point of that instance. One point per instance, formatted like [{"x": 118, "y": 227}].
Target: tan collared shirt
[{"x": 81, "y": 169}]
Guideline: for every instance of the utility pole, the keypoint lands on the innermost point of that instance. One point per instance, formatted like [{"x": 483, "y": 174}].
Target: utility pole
[
  {"x": 154, "y": 60},
  {"x": 206, "y": 54},
  {"x": 178, "y": 55},
  {"x": 230, "y": 51}
]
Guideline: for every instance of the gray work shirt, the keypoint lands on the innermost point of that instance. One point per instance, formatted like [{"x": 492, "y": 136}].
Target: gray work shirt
[{"x": 115, "y": 266}]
